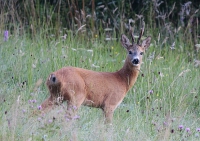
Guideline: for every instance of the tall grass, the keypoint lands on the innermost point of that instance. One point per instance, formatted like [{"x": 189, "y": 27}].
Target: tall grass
[
  {"x": 91, "y": 18},
  {"x": 162, "y": 105},
  {"x": 165, "y": 96}
]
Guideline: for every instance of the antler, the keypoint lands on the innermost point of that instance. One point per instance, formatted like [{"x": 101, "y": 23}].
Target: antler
[
  {"x": 141, "y": 32},
  {"x": 132, "y": 35}
]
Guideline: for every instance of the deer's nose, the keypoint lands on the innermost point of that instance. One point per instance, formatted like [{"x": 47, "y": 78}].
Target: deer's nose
[{"x": 135, "y": 61}]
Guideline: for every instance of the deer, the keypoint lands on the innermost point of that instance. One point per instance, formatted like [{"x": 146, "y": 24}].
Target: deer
[{"x": 105, "y": 90}]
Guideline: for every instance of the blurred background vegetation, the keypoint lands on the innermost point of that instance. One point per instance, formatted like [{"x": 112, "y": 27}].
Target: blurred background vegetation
[
  {"x": 45, "y": 35},
  {"x": 168, "y": 21}
]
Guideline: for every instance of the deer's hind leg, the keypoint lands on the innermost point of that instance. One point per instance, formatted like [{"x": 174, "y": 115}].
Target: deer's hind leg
[
  {"x": 74, "y": 95},
  {"x": 48, "y": 103},
  {"x": 76, "y": 101},
  {"x": 74, "y": 104}
]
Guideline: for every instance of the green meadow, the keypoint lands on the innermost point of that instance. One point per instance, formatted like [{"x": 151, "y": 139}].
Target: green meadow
[
  {"x": 44, "y": 36},
  {"x": 162, "y": 105}
]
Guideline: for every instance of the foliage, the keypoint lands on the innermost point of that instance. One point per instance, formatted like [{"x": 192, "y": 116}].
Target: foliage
[
  {"x": 43, "y": 36},
  {"x": 163, "y": 104},
  {"x": 92, "y": 17}
]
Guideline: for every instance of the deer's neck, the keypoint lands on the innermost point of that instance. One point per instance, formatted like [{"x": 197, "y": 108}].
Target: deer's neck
[{"x": 129, "y": 74}]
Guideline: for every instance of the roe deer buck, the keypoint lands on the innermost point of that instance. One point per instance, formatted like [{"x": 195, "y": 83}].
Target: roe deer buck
[{"x": 104, "y": 90}]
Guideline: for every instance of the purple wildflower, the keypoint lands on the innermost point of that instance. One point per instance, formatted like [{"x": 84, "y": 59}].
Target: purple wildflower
[
  {"x": 50, "y": 120},
  {"x": 180, "y": 127},
  {"x": 165, "y": 123},
  {"x": 198, "y": 129},
  {"x": 6, "y": 35},
  {"x": 59, "y": 111},
  {"x": 187, "y": 129},
  {"x": 74, "y": 107},
  {"x": 43, "y": 114},
  {"x": 67, "y": 119},
  {"x": 150, "y": 91},
  {"x": 39, "y": 107},
  {"x": 29, "y": 101},
  {"x": 76, "y": 117},
  {"x": 39, "y": 119},
  {"x": 24, "y": 111},
  {"x": 34, "y": 101}
]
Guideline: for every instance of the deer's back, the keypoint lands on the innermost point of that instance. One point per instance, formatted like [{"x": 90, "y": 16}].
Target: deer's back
[{"x": 98, "y": 87}]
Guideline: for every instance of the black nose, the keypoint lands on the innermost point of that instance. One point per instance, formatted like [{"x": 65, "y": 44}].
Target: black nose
[{"x": 135, "y": 61}]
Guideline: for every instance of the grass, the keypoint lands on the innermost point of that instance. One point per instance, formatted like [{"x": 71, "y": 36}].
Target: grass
[{"x": 164, "y": 98}]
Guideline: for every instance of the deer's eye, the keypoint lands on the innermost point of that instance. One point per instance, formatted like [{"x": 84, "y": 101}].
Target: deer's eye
[
  {"x": 130, "y": 52},
  {"x": 141, "y": 53}
]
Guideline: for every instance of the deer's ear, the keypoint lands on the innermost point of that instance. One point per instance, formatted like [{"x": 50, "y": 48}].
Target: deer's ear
[
  {"x": 125, "y": 41},
  {"x": 146, "y": 42}
]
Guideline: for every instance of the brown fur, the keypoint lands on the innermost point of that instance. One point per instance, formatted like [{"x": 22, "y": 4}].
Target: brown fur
[{"x": 103, "y": 90}]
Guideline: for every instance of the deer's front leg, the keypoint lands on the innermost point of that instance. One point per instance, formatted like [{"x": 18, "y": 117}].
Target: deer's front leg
[{"x": 108, "y": 113}]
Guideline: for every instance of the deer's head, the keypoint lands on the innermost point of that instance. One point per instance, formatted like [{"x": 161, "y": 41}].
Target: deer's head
[{"x": 135, "y": 50}]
